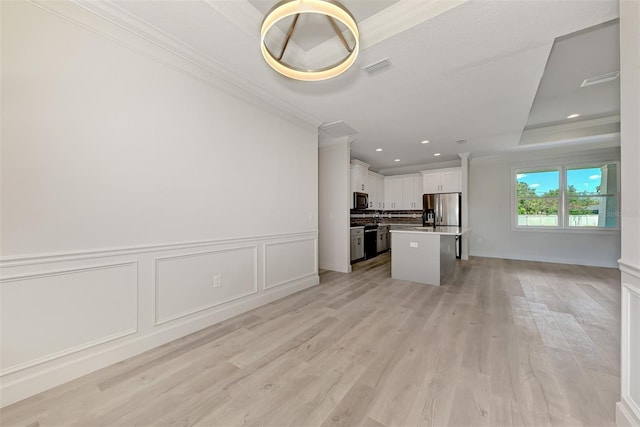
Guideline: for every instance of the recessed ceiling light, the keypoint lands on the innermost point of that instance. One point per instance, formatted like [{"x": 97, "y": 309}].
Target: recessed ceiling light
[
  {"x": 396, "y": 160},
  {"x": 378, "y": 149},
  {"x": 573, "y": 116},
  {"x": 426, "y": 141},
  {"x": 436, "y": 154}
]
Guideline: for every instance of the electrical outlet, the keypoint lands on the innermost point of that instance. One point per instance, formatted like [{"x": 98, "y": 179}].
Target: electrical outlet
[{"x": 217, "y": 281}]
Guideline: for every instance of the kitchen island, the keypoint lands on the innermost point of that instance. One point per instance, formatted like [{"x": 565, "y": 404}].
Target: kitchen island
[{"x": 423, "y": 254}]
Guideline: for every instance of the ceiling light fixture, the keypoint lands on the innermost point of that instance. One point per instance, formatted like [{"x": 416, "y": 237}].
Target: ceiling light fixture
[
  {"x": 378, "y": 149},
  {"x": 426, "y": 141},
  {"x": 396, "y": 160},
  {"x": 334, "y": 11},
  {"x": 436, "y": 154},
  {"x": 573, "y": 116}
]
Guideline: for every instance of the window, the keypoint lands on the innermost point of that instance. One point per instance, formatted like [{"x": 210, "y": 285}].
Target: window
[
  {"x": 592, "y": 196},
  {"x": 538, "y": 194},
  {"x": 567, "y": 197}
]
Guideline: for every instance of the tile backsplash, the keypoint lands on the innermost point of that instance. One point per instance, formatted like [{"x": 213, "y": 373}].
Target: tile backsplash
[{"x": 361, "y": 217}]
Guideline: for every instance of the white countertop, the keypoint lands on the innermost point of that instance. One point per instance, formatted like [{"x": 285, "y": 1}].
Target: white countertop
[{"x": 445, "y": 231}]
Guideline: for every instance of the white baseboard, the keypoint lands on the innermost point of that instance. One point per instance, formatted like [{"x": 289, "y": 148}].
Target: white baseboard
[
  {"x": 23, "y": 387},
  {"x": 554, "y": 260},
  {"x": 336, "y": 267},
  {"x": 625, "y": 417}
]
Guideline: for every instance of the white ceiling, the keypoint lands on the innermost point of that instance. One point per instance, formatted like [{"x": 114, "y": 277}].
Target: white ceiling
[
  {"x": 460, "y": 69},
  {"x": 595, "y": 51}
]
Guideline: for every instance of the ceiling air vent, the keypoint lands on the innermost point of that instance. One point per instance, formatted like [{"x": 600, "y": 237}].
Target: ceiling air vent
[
  {"x": 337, "y": 129},
  {"x": 603, "y": 78},
  {"x": 377, "y": 67}
]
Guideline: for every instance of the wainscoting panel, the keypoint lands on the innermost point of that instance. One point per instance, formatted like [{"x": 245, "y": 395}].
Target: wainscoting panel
[
  {"x": 628, "y": 409},
  {"x": 47, "y": 315},
  {"x": 634, "y": 348},
  {"x": 68, "y": 314},
  {"x": 285, "y": 262},
  {"x": 185, "y": 284}
]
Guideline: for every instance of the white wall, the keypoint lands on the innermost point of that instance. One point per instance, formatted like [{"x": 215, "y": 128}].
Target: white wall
[
  {"x": 333, "y": 206},
  {"x": 127, "y": 185},
  {"x": 490, "y": 209},
  {"x": 628, "y": 409}
]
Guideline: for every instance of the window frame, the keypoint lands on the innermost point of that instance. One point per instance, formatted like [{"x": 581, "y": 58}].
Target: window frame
[
  {"x": 563, "y": 208},
  {"x": 514, "y": 193}
]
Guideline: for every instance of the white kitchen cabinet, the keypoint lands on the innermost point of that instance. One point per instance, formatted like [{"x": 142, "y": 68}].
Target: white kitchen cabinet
[
  {"x": 372, "y": 190},
  {"x": 442, "y": 181},
  {"x": 393, "y": 189},
  {"x": 376, "y": 191},
  {"x": 431, "y": 182},
  {"x": 412, "y": 192},
  {"x": 359, "y": 176},
  {"x": 417, "y": 192},
  {"x": 381, "y": 201}
]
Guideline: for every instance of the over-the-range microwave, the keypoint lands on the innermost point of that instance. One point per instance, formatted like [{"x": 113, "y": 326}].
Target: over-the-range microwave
[{"x": 360, "y": 200}]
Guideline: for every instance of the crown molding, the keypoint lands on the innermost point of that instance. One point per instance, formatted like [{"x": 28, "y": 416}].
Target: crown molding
[{"x": 106, "y": 19}]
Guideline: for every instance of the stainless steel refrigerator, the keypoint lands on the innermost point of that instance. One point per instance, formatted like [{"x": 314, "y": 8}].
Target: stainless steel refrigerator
[{"x": 443, "y": 210}]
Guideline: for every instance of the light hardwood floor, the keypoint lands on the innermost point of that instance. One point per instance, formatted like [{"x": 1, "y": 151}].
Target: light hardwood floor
[{"x": 500, "y": 343}]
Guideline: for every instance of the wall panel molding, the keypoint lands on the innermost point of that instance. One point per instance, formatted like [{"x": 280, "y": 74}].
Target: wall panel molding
[
  {"x": 629, "y": 405},
  {"x": 296, "y": 269},
  {"x": 55, "y": 257},
  {"x": 147, "y": 330},
  {"x": 23, "y": 279},
  {"x": 156, "y": 289}
]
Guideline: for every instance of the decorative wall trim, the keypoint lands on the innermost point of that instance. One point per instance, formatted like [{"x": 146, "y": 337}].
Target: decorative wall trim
[
  {"x": 293, "y": 279},
  {"x": 40, "y": 275},
  {"x": 30, "y": 259},
  {"x": 157, "y": 261},
  {"x": 630, "y": 290},
  {"x": 24, "y": 380},
  {"x": 625, "y": 417},
  {"x": 13, "y": 389},
  {"x": 87, "y": 345},
  {"x": 59, "y": 354},
  {"x": 629, "y": 268}
]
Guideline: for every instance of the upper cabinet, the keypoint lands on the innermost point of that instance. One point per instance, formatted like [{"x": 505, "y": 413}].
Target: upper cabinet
[
  {"x": 393, "y": 193},
  {"x": 375, "y": 189},
  {"x": 359, "y": 176},
  {"x": 412, "y": 192},
  {"x": 442, "y": 181},
  {"x": 372, "y": 190},
  {"x": 403, "y": 192},
  {"x": 380, "y": 180}
]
